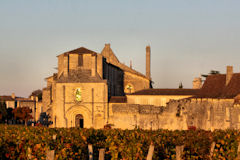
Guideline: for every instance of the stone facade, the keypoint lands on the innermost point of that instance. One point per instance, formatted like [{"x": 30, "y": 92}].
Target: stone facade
[
  {"x": 78, "y": 94},
  {"x": 94, "y": 89},
  {"x": 215, "y": 106},
  {"x": 93, "y": 106}
]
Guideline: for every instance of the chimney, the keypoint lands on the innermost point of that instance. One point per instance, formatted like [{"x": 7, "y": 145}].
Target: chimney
[
  {"x": 94, "y": 66},
  {"x": 65, "y": 65},
  {"x": 197, "y": 83},
  {"x": 131, "y": 64},
  {"x": 148, "y": 62},
  {"x": 229, "y": 74},
  {"x": 13, "y": 96}
]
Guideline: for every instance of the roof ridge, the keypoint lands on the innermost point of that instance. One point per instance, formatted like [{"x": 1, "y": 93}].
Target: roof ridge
[
  {"x": 79, "y": 50},
  {"x": 133, "y": 70}
]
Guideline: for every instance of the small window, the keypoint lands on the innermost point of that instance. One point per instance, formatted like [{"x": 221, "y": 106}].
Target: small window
[{"x": 80, "y": 60}]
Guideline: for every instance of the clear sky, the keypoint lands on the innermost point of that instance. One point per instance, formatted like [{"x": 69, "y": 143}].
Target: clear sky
[{"x": 187, "y": 37}]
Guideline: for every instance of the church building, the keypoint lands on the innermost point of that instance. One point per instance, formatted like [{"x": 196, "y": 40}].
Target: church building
[
  {"x": 95, "y": 89},
  {"x": 79, "y": 94}
]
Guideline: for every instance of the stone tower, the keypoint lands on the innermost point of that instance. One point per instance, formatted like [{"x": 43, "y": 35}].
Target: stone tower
[
  {"x": 148, "y": 62},
  {"x": 197, "y": 83}
]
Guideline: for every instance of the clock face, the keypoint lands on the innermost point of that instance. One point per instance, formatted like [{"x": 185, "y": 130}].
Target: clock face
[{"x": 78, "y": 94}]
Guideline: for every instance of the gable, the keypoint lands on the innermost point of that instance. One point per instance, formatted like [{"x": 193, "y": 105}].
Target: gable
[{"x": 109, "y": 55}]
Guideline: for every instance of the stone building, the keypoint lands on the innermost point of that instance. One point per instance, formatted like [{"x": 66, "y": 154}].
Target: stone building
[
  {"x": 216, "y": 106},
  {"x": 78, "y": 94},
  {"x": 94, "y": 89},
  {"x": 32, "y": 102}
]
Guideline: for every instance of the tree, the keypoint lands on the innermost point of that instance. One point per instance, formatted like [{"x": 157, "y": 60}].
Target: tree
[
  {"x": 10, "y": 115},
  {"x": 22, "y": 114},
  {"x": 180, "y": 85},
  {"x": 37, "y": 93},
  {"x": 44, "y": 119},
  {"x": 3, "y": 111},
  {"x": 212, "y": 72}
]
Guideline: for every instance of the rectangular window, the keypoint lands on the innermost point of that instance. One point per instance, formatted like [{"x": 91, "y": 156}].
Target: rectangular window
[{"x": 80, "y": 60}]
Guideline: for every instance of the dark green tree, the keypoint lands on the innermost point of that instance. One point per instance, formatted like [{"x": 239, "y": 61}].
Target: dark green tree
[
  {"x": 3, "y": 111},
  {"x": 212, "y": 72},
  {"x": 37, "y": 93},
  {"x": 180, "y": 85},
  {"x": 10, "y": 115}
]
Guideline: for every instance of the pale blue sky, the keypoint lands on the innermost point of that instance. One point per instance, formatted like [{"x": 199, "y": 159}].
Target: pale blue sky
[{"x": 187, "y": 37}]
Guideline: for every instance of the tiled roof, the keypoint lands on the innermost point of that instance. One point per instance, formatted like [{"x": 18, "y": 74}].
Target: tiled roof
[
  {"x": 79, "y": 76},
  {"x": 9, "y": 98},
  {"x": 118, "y": 99},
  {"x": 80, "y": 50},
  {"x": 215, "y": 87},
  {"x": 167, "y": 92},
  {"x": 233, "y": 88},
  {"x": 83, "y": 50},
  {"x": 6, "y": 98},
  {"x": 128, "y": 69}
]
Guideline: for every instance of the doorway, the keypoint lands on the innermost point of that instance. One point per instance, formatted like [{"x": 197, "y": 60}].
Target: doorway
[{"x": 79, "y": 121}]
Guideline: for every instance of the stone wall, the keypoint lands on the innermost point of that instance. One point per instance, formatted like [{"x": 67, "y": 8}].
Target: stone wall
[
  {"x": 100, "y": 65},
  {"x": 129, "y": 116},
  {"x": 207, "y": 114},
  {"x": 60, "y": 64},
  {"x": 46, "y": 98},
  {"x": 73, "y": 61},
  {"x": 137, "y": 82}
]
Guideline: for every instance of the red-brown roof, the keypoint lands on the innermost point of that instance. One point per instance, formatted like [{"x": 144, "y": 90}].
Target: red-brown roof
[
  {"x": 233, "y": 88},
  {"x": 6, "y": 98},
  {"x": 118, "y": 99},
  {"x": 167, "y": 92},
  {"x": 9, "y": 98},
  {"x": 25, "y": 99},
  {"x": 80, "y": 50},
  {"x": 215, "y": 87}
]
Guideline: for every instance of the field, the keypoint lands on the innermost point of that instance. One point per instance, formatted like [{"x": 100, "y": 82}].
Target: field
[{"x": 18, "y": 142}]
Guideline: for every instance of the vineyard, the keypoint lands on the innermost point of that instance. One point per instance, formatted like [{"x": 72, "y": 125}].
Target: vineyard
[{"x": 18, "y": 142}]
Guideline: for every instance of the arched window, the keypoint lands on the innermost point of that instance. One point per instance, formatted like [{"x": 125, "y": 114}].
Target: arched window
[
  {"x": 79, "y": 121},
  {"x": 129, "y": 88}
]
